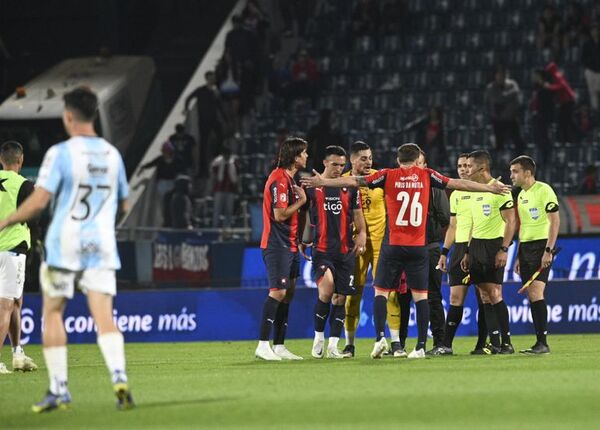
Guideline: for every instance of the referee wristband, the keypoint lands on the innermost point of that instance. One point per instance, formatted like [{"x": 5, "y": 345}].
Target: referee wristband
[
  {"x": 445, "y": 251},
  {"x": 467, "y": 250}
]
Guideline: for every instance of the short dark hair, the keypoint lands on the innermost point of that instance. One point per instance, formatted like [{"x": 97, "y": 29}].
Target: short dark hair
[
  {"x": 290, "y": 149},
  {"x": 83, "y": 103},
  {"x": 408, "y": 152},
  {"x": 335, "y": 150},
  {"x": 11, "y": 152},
  {"x": 482, "y": 157},
  {"x": 358, "y": 146},
  {"x": 179, "y": 128},
  {"x": 209, "y": 73},
  {"x": 526, "y": 162},
  {"x": 463, "y": 155}
]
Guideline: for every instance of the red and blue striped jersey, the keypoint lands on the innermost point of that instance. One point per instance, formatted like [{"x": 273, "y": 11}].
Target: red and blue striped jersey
[
  {"x": 279, "y": 194},
  {"x": 331, "y": 212}
]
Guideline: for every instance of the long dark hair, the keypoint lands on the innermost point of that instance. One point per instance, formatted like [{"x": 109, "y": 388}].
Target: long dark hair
[{"x": 290, "y": 149}]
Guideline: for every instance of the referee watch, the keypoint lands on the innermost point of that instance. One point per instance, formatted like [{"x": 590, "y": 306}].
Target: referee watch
[
  {"x": 550, "y": 250},
  {"x": 504, "y": 248}
]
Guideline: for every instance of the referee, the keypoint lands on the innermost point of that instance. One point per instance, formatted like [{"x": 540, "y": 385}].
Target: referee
[
  {"x": 492, "y": 233},
  {"x": 538, "y": 212}
]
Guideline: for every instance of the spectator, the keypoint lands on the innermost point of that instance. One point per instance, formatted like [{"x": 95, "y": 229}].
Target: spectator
[
  {"x": 322, "y": 135},
  {"x": 229, "y": 82},
  {"x": 541, "y": 107},
  {"x": 503, "y": 98},
  {"x": 211, "y": 116},
  {"x": 549, "y": 29},
  {"x": 431, "y": 137},
  {"x": 589, "y": 184},
  {"x": 590, "y": 58},
  {"x": 241, "y": 43},
  {"x": 295, "y": 11},
  {"x": 365, "y": 18},
  {"x": 305, "y": 78},
  {"x": 178, "y": 204},
  {"x": 595, "y": 15},
  {"x": 167, "y": 169},
  {"x": 183, "y": 148},
  {"x": 224, "y": 180},
  {"x": 255, "y": 19},
  {"x": 575, "y": 25},
  {"x": 583, "y": 120},
  {"x": 280, "y": 79},
  {"x": 567, "y": 130}
]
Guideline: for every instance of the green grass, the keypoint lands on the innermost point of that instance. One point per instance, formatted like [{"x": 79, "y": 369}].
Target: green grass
[{"x": 220, "y": 385}]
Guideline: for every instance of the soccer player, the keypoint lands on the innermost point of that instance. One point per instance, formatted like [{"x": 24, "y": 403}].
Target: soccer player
[
  {"x": 85, "y": 176},
  {"x": 458, "y": 234},
  {"x": 373, "y": 208},
  {"x": 493, "y": 228},
  {"x": 407, "y": 194},
  {"x": 334, "y": 212},
  {"x": 540, "y": 220},
  {"x": 14, "y": 244},
  {"x": 281, "y": 203}
]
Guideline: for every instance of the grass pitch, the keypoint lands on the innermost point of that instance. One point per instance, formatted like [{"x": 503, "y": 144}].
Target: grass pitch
[{"x": 220, "y": 385}]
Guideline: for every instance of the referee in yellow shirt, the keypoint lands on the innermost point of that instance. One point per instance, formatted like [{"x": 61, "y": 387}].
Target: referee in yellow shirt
[
  {"x": 537, "y": 205},
  {"x": 373, "y": 205},
  {"x": 494, "y": 224}
]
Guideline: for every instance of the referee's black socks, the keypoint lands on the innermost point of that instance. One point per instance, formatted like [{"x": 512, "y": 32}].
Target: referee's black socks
[
  {"x": 379, "y": 316},
  {"x": 268, "y": 317},
  {"x": 492, "y": 324},
  {"x": 502, "y": 315},
  {"x": 453, "y": 320},
  {"x": 482, "y": 331},
  {"x": 539, "y": 314},
  {"x": 321, "y": 314}
]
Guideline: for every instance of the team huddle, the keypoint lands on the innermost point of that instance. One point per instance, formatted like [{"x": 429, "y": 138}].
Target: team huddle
[{"x": 393, "y": 220}]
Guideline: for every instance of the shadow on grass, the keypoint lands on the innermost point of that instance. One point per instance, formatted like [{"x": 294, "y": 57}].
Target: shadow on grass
[{"x": 166, "y": 404}]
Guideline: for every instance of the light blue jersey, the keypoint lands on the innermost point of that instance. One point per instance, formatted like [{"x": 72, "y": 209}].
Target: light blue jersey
[{"x": 87, "y": 177}]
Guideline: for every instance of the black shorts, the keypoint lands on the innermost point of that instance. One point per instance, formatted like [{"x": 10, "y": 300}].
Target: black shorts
[
  {"x": 412, "y": 260},
  {"x": 342, "y": 268},
  {"x": 482, "y": 258},
  {"x": 530, "y": 260},
  {"x": 283, "y": 265},
  {"x": 455, "y": 273}
]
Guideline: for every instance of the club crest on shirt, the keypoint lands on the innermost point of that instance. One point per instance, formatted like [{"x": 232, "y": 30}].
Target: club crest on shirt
[
  {"x": 487, "y": 210},
  {"x": 535, "y": 214}
]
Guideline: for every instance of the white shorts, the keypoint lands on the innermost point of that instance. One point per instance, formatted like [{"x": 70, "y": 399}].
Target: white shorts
[
  {"x": 61, "y": 283},
  {"x": 12, "y": 274}
]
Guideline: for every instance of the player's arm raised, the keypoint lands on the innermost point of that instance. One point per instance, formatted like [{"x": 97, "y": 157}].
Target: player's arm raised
[
  {"x": 510, "y": 225},
  {"x": 343, "y": 181},
  {"x": 495, "y": 187},
  {"x": 30, "y": 208},
  {"x": 282, "y": 214}
]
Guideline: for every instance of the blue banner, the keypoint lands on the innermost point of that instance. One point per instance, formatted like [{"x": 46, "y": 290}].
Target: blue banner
[
  {"x": 579, "y": 258},
  {"x": 233, "y": 314}
]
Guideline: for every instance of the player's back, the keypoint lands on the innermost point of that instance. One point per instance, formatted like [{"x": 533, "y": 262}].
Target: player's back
[
  {"x": 87, "y": 177},
  {"x": 407, "y": 194}
]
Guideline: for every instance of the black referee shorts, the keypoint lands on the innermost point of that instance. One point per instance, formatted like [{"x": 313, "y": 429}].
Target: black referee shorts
[
  {"x": 342, "y": 268},
  {"x": 455, "y": 273},
  {"x": 482, "y": 257},
  {"x": 530, "y": 259}
]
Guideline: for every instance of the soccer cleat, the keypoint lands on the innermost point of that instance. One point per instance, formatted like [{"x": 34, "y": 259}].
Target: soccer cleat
[
  {"x": 490, "y": 349},
  {"x": 537, "y": 349},
  {"x": 417, "y": 353},
  {"x": 318, "y": 348},
  {"x": 506, "y": 349},
  {"x": 124, "y": 398},
  {"x": 284, "y": 353},
  {"x": 23, "y": 363},
  {"x": 264, "y": 352},
  {"x": 478, "y": 350},
  {"x": 379, "y": 348},
  {"x": 51, "y": 402},
  {"x": 398, "y": 351},
  {"x": 440, "y": 350},
  {"x": 333, "y": 352},
  {"x": 3, "y": 369},
  {"x": 348, "y": 351}
]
